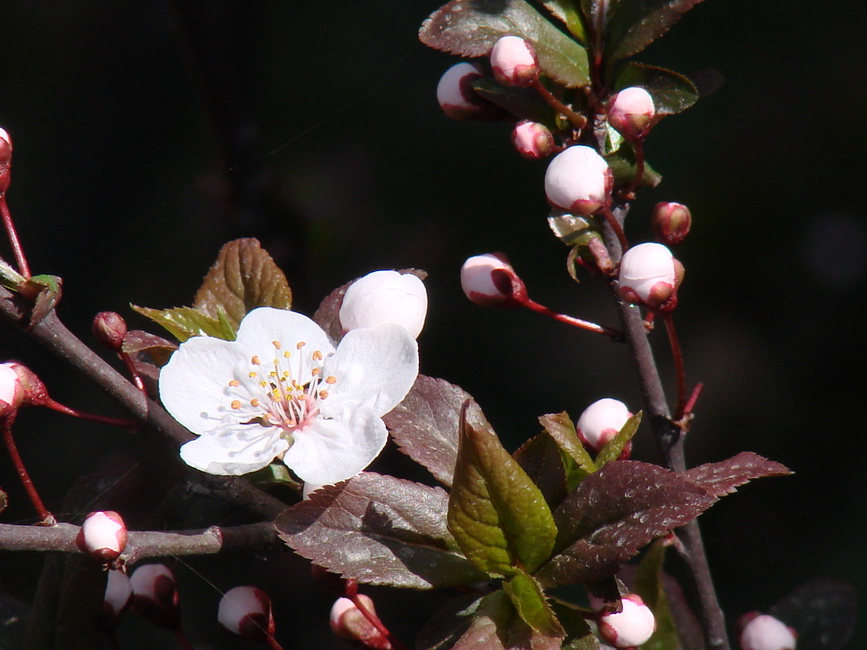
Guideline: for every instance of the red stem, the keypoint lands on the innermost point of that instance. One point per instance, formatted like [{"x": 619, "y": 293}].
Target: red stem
[
  {"x": 182, "y": 638},
  {"x": 577, "y": 120},
  {"x": 23, "y": 267},
  {"x": 375, "y": 622},
  {"x": 616, "y": 227},
  {"x": 570, "y": 320},
  {"x": 130, "y": 367},
  {"x": 104, "y": 419},
  {"x": 272, "y": 643},
  {"x": 677, "y": 355},
  {"x": 47, "y": 518}
]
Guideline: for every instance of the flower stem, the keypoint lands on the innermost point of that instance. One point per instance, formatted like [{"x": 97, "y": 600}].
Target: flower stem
[
  {"x": 92, "y": 417},
  {"x": 677, "y": 356},
  {"x": 614, "y": 334},
  {"x": 272, "y": 643},
  {"x": 18, "y": 251},
  {"x": 47, "y": 518},
  {"x": 616, "y": 228},
  {"x": 577, "y": 120},
  {"x": 375, "y": 622}
]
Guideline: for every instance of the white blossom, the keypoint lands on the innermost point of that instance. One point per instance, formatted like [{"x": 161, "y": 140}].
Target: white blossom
[{"x": 281, "y": 390}]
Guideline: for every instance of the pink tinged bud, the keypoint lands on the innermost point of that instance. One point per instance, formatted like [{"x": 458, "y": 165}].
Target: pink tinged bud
[
  {"x": 578, "y": 180},
  {"x": 109, "y": 328},
  {"x": 33, "y": 390},
  {"x": 384, "y": 297},
  {"x": 671, "y": 222},
  {"x": 102, "y": 535},
  {"x": 649, "y": 274},
  {"x": 533, "y": 140},
  {"x": 489, "y": 280},
  {"x": 11, "y": 390},
  {"x": 246, "y": 611},
  {"x": 5, "y": 160},
  {"x": 456, "y": 96},
  {"x": 514, "y": 62},
  {"x": 601, "y": 422},
  {"x": 118, "y": 593},
  {"x": 155, "y": 595},
  {"x": 764, "y": 632},
  {"x": 630, "y": 627},
  {"x": 347, "y": 622},
  {"x": 631, "y": 111}
]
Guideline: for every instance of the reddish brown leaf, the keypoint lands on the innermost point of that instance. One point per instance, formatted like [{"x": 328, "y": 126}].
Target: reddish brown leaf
[{"x": 720, "y": 479}]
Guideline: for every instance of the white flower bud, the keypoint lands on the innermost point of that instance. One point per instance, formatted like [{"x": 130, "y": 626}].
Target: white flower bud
[
  {"x": 155, "y": 594},
  {"x": 102, "y": 535},
  {"x": 629, "y": 628},
  {"x": 384, "y": 297},
  {"x": 514, "y": 62},
  {"x": 532, "y": 140},
  {"x": 578, "y": 180},
  {"x": 649, "y": 274},
  {"x": 11, "y": 391},
  {"x": 764, "y": 632},
  {"x": 601, "y": 421},
  {"x": 631, "y": 112},
  {"x": 5, "y": 146},
  {"x": 456, "y": 96},
  {"x": 118, "y": 592},
  {"x": 246, "y": 611},
  {"x": 489, "y": 280},
  {"x": 347, "y": 622}
]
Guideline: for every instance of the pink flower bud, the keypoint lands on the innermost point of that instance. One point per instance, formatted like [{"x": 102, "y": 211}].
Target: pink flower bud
[
  {"x": 109, "y": 328},
  {"x": 764, "y": 632},
  {"x": 649, "y": 274},
  {"x": 671, "y": 222},
  {"x": 347, "y": 622},
  {"x": 601, "y": 422},
  {"x": 102, "y": 535},
  {"x": 533, "y": 140},
  {"x": 630, "y": 627},
  {"x": 246, "y": 611},
  {"x": 384, "y": 297},
  {"x": 28, "y": 390},
  {"x": 514, "y": 62},
  {"x": 11, "y": 391},
  {"x": 631, "y": 111},
  {"x": 118, "y": 593},
  {"x": 578, "y": 180},
  {"x": 490, "y": 280},
  {"x": 5, "y": 160},
  {"x": 457, "y": 98},
  {"x": 155, "y": 595}
]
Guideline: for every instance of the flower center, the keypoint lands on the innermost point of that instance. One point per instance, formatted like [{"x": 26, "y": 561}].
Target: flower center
[{"x": 285, "y": 392}]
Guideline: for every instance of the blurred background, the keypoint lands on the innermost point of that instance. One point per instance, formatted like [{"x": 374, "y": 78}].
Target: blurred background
[{"x": 148, "y": 134}]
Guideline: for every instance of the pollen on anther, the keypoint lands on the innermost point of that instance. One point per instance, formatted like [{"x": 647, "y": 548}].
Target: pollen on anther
[
  {"x": 252, "y": 374},
  {"x": 234, "y": 383},
  {"x": 331, "y": 379},
  {"x": 236, "y": 404},
  {"x": 316, "y": 371},
  {"x": 254, "y": 402},
  {"x": 323, "y": 394},
  {"x": 255, "y": 360},
  {"x": 317, "y": 355},
  {"x": 276, "y": 344},
  {"x": 300, "y": 344},
  {"x": 286, "y": 354}
]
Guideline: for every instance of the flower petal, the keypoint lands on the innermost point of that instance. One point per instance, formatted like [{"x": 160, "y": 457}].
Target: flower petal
[
  {"x": 194, "y": 383},
  {"x": 234, "y": 449},
  {"x": 329, "y": 451},
  {"x": 265, "y": 324},
  {"x": 375, "y": 367}
]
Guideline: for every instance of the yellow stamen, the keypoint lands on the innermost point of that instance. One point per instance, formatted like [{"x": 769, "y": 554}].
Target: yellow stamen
[
  {"x": 234, "y": 383},
  {"x": 236, "y": 404}
]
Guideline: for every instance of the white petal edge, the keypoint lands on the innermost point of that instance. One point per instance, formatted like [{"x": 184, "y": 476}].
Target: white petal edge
[
  {"x": 234, "y": 450},
  {"x": 265, "y": 324}
]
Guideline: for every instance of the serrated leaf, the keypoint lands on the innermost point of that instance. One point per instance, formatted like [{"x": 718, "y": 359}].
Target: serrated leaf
[
  {"x": 490, "y": 625},
  {"x": 529, "y": 600},
  {"x": 378, "y": 530},
  {"x": 623, "y": 167},
  {"x": 823, "y": 612},
  {"x": 523, "y": 103},
  {"x": 615, "y": 446},
  {"x": 613, "y": 513},
  {"x": 719, "y": 479},
  {"x": 672, "y": 92},
  {"x": 185, "y": 322},
  {"x": 649, "y": 585},
  {"x": 243, "y": 277},
  {"x": 497, "y": 515},
  {"x": 426, "y": 425},
  {"x": 449, "y": 623},
  {"x": 158, "y": 348},
  {"x": 541, "y": 459},
  {"x": 561, "y": 428},
  {"x": 635, "y": 24},
  {"x": 471, "y": 27},
  {"x": 49, "y": 289},
  {"x": 567, "y": 11}
]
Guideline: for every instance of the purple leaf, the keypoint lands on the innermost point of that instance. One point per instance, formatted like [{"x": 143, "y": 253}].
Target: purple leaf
[
  {"x": 378, "y": 530},
  {"x": 720, "y": 479},
  {"x": 540, "y": 458}
]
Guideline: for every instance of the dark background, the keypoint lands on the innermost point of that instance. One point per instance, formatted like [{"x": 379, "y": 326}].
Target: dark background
[{"x": 125, "y": 184}]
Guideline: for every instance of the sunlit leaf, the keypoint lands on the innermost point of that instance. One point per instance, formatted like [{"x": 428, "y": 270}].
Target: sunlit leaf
[
  {"x": 567, "y": 11},
  {"x": 185, "y": 322},
  {"x": 623, "y": 167},
  {"x": 724, "y": 477},
  {"x": 471, "y": 27},
  {"x": 529, "y": 600},
  {"x": 615, "y": 446},
  {"x": 672, "y": 92},
  {"x": 561, "y": 428}
]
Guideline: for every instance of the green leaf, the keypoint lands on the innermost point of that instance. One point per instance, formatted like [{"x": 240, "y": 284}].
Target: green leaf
[
  {"x": 622, "y": 164},
  {"x": 635, "y": 24},
  {"x": 672, "y": 92},
  {"x": 489, "y": 625},
  {"x": 471, "y": 27},
  {"x": 48, "y": 291},
  {"x": 569, "y": 228},
  {"x": 273, "y": 474},
  {"x": 649, "y": 585},
  {"x": 560, "y": 427},
  {"x": 542, "y": 460},
  {"x": 579, "y": 636},
  {"x": 523, "y": 103},
  {"x": 529, "y": 600},
  {"x": 614, "y": 448},
  {"x": 243, "y": 277},
  {"x": 567, "y": 11},
  {"x": 497, "y": 515},
  {"x": 186, "y": 322}
]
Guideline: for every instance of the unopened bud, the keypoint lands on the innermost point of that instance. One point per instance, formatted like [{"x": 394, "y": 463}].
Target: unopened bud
[
  {"x": 11, "y": 390},
  {"x": 5, "y": 160},
  {"x": 384, "y": 297},
  {"x": 246, "y": 611},
  {"x": 514, "y": 62},
  {"x": 600, "y": 422},
  {"x": 578, "y": 180},
  {"x": 764, "y": 632},
  {"x": 631, "y": 112},
  {"x": 457, "y": 97},
  {"x": 118, "y": 593},
  {"x": 489, "y": 280},
  {"x": 533, "y": 140},
  {"x": 155, "y": 595},
  {"x": 671, "y": 222},
  {"x": 33, "y": 391},
  {"x": 649, "y": 275},
  {"x": 347, "y": 622},
  {"x": 109, "y": 328},
  {"x": 631, "y": 627},
  {"x": 102, "y": 535}
]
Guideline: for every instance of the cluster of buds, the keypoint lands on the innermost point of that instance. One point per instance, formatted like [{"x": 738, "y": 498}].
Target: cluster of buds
[
  {"x": 628, "y": 628},
  {"x": 600, "y": 422},
  {"x": 764, "y": 632},
  {"x": 384, "y": 297},
  {"x": 650, "y": 275},
  {"x": 103, "y": 536}
]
